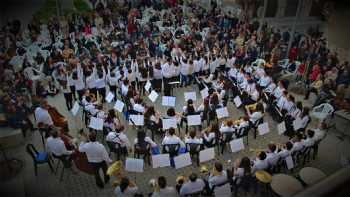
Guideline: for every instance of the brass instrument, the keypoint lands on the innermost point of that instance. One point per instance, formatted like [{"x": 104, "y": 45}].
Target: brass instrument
[
  {"x": 204, "y": 169},
  {"x": 251, "y": 107},
  {"x": 180, "y": 179}
]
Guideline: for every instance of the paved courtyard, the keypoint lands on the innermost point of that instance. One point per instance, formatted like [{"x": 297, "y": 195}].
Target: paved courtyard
[{"x": 47, "y": 184}]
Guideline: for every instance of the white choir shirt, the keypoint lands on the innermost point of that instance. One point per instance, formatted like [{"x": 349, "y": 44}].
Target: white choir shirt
[
  {"x": 184, "y": 68},
  {"x": 264, "y": 81},
  {"x": 167, "y": 140},
  {"x": 95, "y": 152},
  {"x": 119, "y": 138},
  {"x": 79, "y": 83},
  {"x": 167, "y": 70},
  {"x": 56, "y": 146},
  {"x": 91, "y": 81},
  {"x": 43, "y": 116},
  {"x": 192, "y": 187},
  {"x": 197, "y": 66},
  {"x": 189, "y": 140}
]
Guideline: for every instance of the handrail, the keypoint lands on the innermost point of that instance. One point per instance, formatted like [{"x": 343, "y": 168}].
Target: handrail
[{"x": 328, "y": 186}]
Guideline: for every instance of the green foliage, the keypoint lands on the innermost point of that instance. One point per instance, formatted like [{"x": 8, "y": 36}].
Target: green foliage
[
  {"x": 46, "y": 11},
  {"x": 81, "y": 6}
]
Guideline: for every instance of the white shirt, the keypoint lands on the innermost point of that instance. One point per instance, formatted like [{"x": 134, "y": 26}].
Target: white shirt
[
  {"x": 259, "y": 165},
  {"x": 166, "y": 192},
  {"x": 195, "y": 140},
  {"x": 216, "y": 180},
  {"x": 167, "y": 70},
  {"x": 226, "y": 129},
  {"x": 192, "y": 187},
  {"x": 95, "y": 152},
  {"x": 148, "y": 140},
  {"x": 119, "y": 138},
  {"x": 197, "y": 66},
  {"x": 172, "y": 140},
  {"x": 128, "y": 192},
  {"x": 43, "y": 116},
  {"x": 278, "y": 92},
  {"x": 272, "y": 158},
  {"x": 91, "y": 81},
  {"x": 184, "y": 68},
  {"x": 284, "y": 153},
  {"x": 281, "y": 102},
  {"x": 209, "y": 137},
  {"x": 297, "y": 146},
  {"x": 56, "y": 146},
  {"x": 308, "y": 142},
  {"x": 270, "y": 88},
  {"x": 255, "y": 116},
  {"x": 264, "y": 81}
]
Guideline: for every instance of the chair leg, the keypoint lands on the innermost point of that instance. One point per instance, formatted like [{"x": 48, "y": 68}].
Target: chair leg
[
  {"x": 61, "y": 177},
  {"x": 35, "y": 169},
  {"x": 57, "y": 165}
]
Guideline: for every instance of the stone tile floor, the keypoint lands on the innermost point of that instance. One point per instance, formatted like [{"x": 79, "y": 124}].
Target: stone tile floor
[{"x": 47, "y": 184}]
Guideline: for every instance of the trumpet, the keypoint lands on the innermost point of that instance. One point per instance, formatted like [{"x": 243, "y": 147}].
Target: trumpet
[{"x": 251, "y": 107}]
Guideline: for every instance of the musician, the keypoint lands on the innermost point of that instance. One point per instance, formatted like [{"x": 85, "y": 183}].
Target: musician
[
  {"x": 297, "y": 144},
  {"x": 271, "y": 156},
  {"x": 171, "y": 138},
  {"x": 257, "y": 114},
  {"x": 112, "y": 81},
  {"x": 67, "y": 93},
  {"x": 227, "y": 127},
  {"x": 264, "y": 81},
  {"x": 210, "y": 135},
  {"x": 142, "y": 139},
  {"x": 125, "y": 87},
  {"x": 97, "y": 157},
  {"x": 278, "y": 91},
  {"x": 242, "y": 167},
  {"x": 309, "y": 141},
  {"x": 43, "y": 118},
  {"x": 78, "y": 80},
  {"x": 90, "y": 80},
  {"x": 217, "y": 176},
  {"x": 193, "y": 139},
  {"x": 167, "y": 72},
  {"x": 56, "y": 146},
  {"x": 120, "y": 138},
  {"x": 260, "y": 162},
  {"x": 303, "y": 120},
  {"x": 138, "y": 106},
  {"x": 164, "y": 189},
  {"x": 126, "y": 188},
  {"x": 194, "y": 185},
  {"x": 101, "y": 83},
  {"x": 286, "y": 151},
  {"x": 172, "y": 114}
]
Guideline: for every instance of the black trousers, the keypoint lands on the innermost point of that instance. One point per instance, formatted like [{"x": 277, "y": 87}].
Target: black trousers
[
  {"x": 102, "y": 93},
  {"x": 113, "y": 89},
  {"x": 72, "y": 89},
  {"x": 69, "y": 100},
  {"x": 96, "y": 167},
  {"x": 93, "y": 91}
]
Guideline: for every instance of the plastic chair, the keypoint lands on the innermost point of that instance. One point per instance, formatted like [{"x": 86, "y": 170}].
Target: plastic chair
[
  {"x": 65, "y": 164},
  {"x": 172, "y": 149},
  {"x": 322, "y": 111},
  {"x": 114, "y": 148},
  {"x": 38, "y": 158}
]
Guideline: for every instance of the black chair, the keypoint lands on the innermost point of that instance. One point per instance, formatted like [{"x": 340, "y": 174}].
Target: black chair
[
  {"x": 144, "y": 150},
  {"x": 194, "y": 150},
  {"x": 172, "y": 149},
  {"x": 65, "y": 163},
  {"x": 114, "y": 148},
  {"x": 256, "y": 125},
  {"x": 226, "y": 138},
  {"x": 243, "y": 132},
  {"x": 150, "y": 125},
  {"x": 38, "y": 158}
]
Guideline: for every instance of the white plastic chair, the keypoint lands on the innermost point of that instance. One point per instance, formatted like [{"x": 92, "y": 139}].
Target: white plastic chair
[{"x": 322, "y": 111}]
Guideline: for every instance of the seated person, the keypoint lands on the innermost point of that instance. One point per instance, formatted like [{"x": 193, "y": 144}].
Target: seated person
[
  {"x": 164, "y": 190},
  {"x": 171, "y": 138},
  {"x": 126, "y": 188},
  {"x": 272, "y": 156},
  {"x": 193, "y": 139},
  {"x": 309, "y": 141},
  {"x": 286, "y": 150},
  {"x": 227, "y": 127},
  {"x": 260, "y": 162},
  {"x": 217, "y": 176},
  {"x": 297, "y": 144},
  {"x": 194, "y": 185},
  {"x": 210, "y": 135},
  {"x": 242, "y": 167}
]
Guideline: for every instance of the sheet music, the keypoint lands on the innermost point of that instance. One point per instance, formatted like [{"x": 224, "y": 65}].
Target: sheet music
[
  {"x": 182, "y": 160},
  {"x": 263, "y": 128},
  {"x": 134, "y": 165},
  {"x": 148, "y": 86},
  {"x": 281, "y": 127},
  {"x": 204, "y": 93},
  {"x": 169, "y": 101},
  {"x": 190, "y": 95},
  {"x": 169, "y": 122},
  {"x": 75, "y": 108},
  {"x": 237, "y": 145},
  {"x": 222, "y": 112},
  {"x": 119, "y": 105},
  {"x": 238, "y": 101},
  {"x": 153, "y": 96},
  {"x": 289, "y": 162},
  {"x": 161, "y": 160},
  {"x": 137, "y": 119},
  {"x": 206, "y": 155},
  {"x": 194, "y": 120},
  {"x": 96, "y": 123},
  {"x": 109, "y": 97}
]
